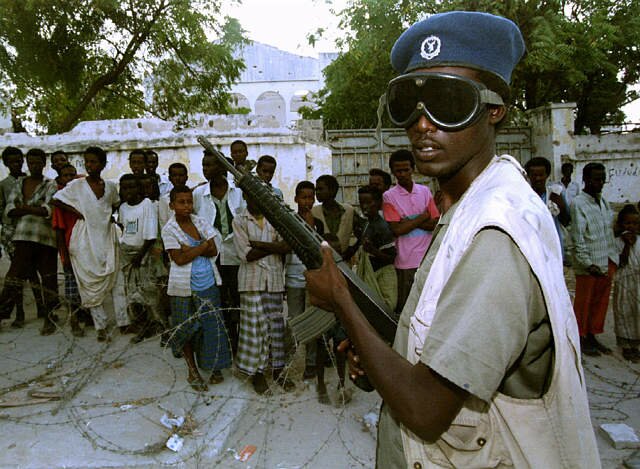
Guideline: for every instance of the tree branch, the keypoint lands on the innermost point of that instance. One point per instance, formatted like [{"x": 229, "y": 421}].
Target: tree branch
[{"x": 112, "y": 75}]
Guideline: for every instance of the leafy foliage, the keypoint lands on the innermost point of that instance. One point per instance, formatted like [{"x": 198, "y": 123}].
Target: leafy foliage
[
  {"x": 94, "y": 59},
  {"x": 584, "y": 51}
]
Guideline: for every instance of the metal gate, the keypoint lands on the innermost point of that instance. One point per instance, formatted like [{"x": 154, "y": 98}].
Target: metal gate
[{"x": 355, "y": 152}]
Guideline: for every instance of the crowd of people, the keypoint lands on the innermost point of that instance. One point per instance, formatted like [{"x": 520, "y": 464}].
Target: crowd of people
[
  {"x": 204, "y": 269},
  {"x": 200, "y": 266}
]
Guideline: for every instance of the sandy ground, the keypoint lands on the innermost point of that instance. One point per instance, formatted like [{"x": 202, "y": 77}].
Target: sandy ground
[{"x": 108, "y": 400}]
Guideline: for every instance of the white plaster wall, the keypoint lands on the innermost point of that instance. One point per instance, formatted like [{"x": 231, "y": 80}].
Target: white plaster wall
[
  {"x": 552, "y": 134},
  {"x": 297, "y": 159},
  {"x": 620, "y": 153}
]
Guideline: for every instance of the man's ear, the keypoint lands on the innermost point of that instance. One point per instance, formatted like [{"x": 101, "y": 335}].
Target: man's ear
[{"x": 496, "y": 114}]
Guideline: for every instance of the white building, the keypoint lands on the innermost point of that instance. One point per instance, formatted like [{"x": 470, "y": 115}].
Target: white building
[{"x": 274, "y": 82}]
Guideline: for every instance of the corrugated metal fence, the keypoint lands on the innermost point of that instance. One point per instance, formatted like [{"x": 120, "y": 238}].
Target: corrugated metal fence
[{"x": 355, "y": 152}]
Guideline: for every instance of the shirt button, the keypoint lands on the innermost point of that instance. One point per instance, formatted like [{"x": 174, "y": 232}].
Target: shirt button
[
  {"x": 481, "y": 441},
  {"x": 417, "y": 465}
]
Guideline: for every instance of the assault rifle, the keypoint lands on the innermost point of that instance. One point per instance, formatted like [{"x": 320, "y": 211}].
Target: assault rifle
[{"x": 305, "y": 242}]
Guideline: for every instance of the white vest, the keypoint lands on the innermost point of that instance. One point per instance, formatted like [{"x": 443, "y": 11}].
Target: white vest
[{"x": 553, "y": 431}]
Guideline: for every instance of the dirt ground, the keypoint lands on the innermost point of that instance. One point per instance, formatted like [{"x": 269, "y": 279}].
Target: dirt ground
[{"x": 73, "y": 402}]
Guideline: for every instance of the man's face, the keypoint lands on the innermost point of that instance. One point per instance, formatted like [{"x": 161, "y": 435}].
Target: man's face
[
  {"x": 178, "y": 176},
  {"x": 265, "y": 171},
  {"x": 182, "y": 205},
  {"x": 14, "y": 163},
  {"x": 137, "y": 163},
  {"x": 376, "y": 181},
  {"x": 538, "y": 178},
  {"x": 66, "y": 175},
  {"x": 369, "y": 205},
  {"x": 323, "y": 192},
  {"x": 151, "y": 163},
  {"x": 58, "y": 161},
  {"x": 594, "y": 183},
  {"x": 92, "y": 165},
  {"x": 402, "y": 170},
  {"x": 35, "y": 164},
  {"x": 462, "y": 154},
  {"x": 239, "y": 153},
  {"x": 566, "y": 171},
  {"x": 212, "y": 168},
  {"x": 305, "y": 199}
]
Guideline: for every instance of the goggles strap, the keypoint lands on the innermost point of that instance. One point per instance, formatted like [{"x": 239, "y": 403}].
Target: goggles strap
[{"x": 491, "y": 97}]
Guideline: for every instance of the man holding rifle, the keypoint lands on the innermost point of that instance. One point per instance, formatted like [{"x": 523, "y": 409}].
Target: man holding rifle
[{"x": 485, "y": 367}]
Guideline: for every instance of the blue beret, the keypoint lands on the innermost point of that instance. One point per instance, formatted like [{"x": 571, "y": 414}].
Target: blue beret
[{"x": 460, "y": 38}]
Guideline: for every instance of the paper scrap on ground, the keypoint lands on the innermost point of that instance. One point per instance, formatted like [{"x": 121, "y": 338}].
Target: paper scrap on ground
[
  {"x": 170, "y": 423},
  {"x": 175, "y": 442},
  {"x": 620, "y": 435}
]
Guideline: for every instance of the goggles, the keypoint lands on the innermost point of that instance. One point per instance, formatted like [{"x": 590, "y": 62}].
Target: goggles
[{"x": 451, "y": 102}]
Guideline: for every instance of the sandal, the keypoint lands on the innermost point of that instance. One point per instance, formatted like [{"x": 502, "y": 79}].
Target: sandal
[
  {"x": 216, "y": 377},
  {"x": 197, "y": 384},
  {"x": 260, "y": 385}
]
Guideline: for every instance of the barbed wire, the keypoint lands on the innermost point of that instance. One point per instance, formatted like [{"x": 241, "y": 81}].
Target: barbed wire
[{"x": 69, "y": 367}]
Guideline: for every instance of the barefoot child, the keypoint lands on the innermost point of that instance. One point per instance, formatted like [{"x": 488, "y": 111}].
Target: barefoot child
[
  {"x": 294, "y": 271},
  {"x": 63, "y": 222},
  {"x": 261, "y": 287},
  {"x": 377, "y": 248},
  {"x": 626, "y": 291},
  {"x": 34, "y": 242},
  {"x": 199, "y": 331},
  {"x": 138, "y": 218},
  {"x": 13, "y": 159}
]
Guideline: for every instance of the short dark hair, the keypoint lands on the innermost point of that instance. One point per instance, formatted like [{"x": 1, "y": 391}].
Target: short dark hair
[
  {"x": 238, "y": 142},
  {"x": 37, "y": 152},
  {"x": 331, "y": 182},
  {"x": 374, "y": 191},
  {"x": 59, "y": 152},
  {"x": 537, "y": 162},
  {"x": 566, "y": 166},
  {"x": 591, "y": 167},
  {"x": 11, "y": 151},
  {"x": 137, "y": 152},
  {"x": 267, "y": 159},
  {"x": 129, "y": 177},
  {"x": 386, "y": 177},
  {"x": 69, "y": 165},
  {"x": 149, "y": 152},
  {"x": 628, "y": 209},
  {"x": 304, "y": 185},
  {"x": 178, "y": 190},
  {"x": 401, "y": 155},
  {"x": 99, "y": 152},
  {"x": 178, "y": 165}
]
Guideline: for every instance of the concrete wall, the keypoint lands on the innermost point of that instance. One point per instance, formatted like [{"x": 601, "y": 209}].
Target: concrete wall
[
  {"x": 620, "y": 153},
  {"x": 553, "y": 138},
  {"x": 298, "y": 158}
]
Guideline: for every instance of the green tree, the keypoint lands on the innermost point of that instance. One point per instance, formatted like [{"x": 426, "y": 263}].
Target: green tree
[
  {"x": 584, "y": 51},
  {"x": 62, "y": 62}
]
